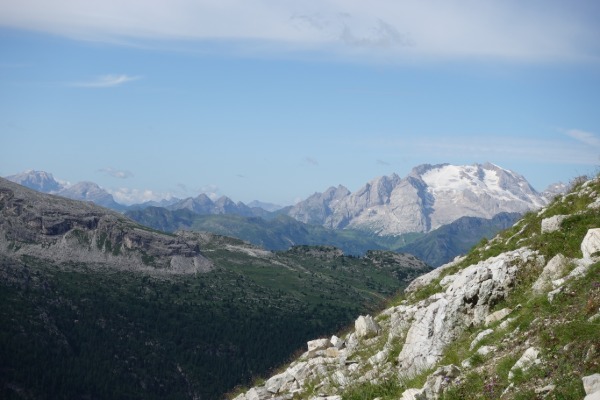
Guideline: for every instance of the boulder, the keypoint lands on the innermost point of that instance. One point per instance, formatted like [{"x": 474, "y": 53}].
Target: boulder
[
  {"x": 591, "y": 383},
  {"x": 438, "y": 382},
  {"x": 552, "y": 271},
  {"x": 480, "y": 337},
  {"x": 553, "y": 223},
  {"x": 332, "y": 352},
  {"x": 366, "y": 327},
  {"x": 258, "y": 393},
  {"x": 497, "y": 316},
  {"x": 410, "y": 394},
  {"x": 485, "y": 350},
  {"x": 299, "y": 371},
  {"x": 591, "y": 243},
  {"x": 527, "y": 360},
  {"x": 336, "y": 342},
  {"x": 275, "y": 383},
  {"x": 318, "y": 344}
]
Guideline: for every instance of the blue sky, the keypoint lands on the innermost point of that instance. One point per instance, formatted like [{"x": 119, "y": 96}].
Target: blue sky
[{"x": 274, "y": 100}]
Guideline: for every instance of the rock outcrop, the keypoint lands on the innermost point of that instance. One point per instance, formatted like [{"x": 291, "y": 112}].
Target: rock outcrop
[{"x": 49, "y": 227}]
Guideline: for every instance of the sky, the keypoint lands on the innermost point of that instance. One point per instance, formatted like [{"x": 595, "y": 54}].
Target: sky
[{"x": 275, "y": 100}]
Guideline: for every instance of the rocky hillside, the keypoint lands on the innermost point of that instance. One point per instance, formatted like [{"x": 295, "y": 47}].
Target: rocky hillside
[
  {"x": 51, "y": 227},
  {"x": 516, "y": 318},
  {"x": 429, "y": 197}
]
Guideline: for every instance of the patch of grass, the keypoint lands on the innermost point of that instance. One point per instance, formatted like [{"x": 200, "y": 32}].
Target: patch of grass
[
  {"x": 427, "y": 291},
  {"x": 388, "y": 389},
  {"x": 397, "y": 346},
  {"x": 81, "y": 237},
  {"x": 147, "y": 259},
  {"x": 471, "y": 387}
]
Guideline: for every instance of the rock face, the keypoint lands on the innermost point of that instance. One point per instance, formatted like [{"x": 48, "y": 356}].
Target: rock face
[
  {"x": 466, "y": 300},
  {"x": 62, "y": 230},
  {"x": 429, "y": 197}
]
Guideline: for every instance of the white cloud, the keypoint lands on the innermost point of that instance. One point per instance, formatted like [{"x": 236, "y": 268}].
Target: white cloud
[
  {"x": 115, "y": 173},
  {"x": 584, "y": 137},
  {"x": 130, "y": 196},
  {"x": 106, "y": 81},
  {"x": 394, "y": 29}
]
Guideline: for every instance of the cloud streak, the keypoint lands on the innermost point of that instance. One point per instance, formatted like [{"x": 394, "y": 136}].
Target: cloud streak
[
  {"x": 584, "y": 137},
  {"x": 106, "y": 81},
  {"x": 497, "y": 148},
  {"x": 397, "y": 29}
]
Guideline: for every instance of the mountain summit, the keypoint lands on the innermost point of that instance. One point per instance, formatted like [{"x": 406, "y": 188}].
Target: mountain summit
[{"x": 428, "y": 197}]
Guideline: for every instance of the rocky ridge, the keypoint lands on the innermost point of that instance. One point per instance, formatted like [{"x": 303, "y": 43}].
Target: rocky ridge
[
  {"x": 49, "y": 227},
  {"x": 515, "y": 318},
  {"x": 428, "y": 197}
]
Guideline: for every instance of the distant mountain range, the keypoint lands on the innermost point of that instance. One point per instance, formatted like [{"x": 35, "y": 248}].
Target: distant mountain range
[
  {"x": 44, "y": 182},
  {"x": 412, "y": 214}
]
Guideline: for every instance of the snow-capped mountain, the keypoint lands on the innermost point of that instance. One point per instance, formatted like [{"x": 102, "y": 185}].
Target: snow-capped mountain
[{"x": 428, "y": 197}]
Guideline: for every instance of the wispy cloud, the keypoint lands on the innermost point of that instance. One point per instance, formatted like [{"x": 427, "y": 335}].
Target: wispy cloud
[
  {"x": 490, "y": 148},
  {"x": 106, "y": 81},
  {"x": 584, "y": 137},
  {"x": 493, "y": 147},
  {"x": 115, "y": 173},
  {"x": 397, "y": 29},
  {"x": 381, "y": 162}
]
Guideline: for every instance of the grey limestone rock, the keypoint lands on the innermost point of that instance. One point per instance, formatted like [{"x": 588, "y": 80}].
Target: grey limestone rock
[
  {"x": 552, "y": 271},
  {"x": 438, "y": 382},
  {"x": 591, "y": 383},
  {"x": 480, "y": 337},
  {"x": 497, "y": 316},
  {"x": 366, "y": 327},
  {"x": 67, "y": 231},
  {"x": 591, "y": 243},
  {"x": 553, "y": 223},
  {"x": 318, "y": 344},
  {"x": 527, "y": 360}
]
